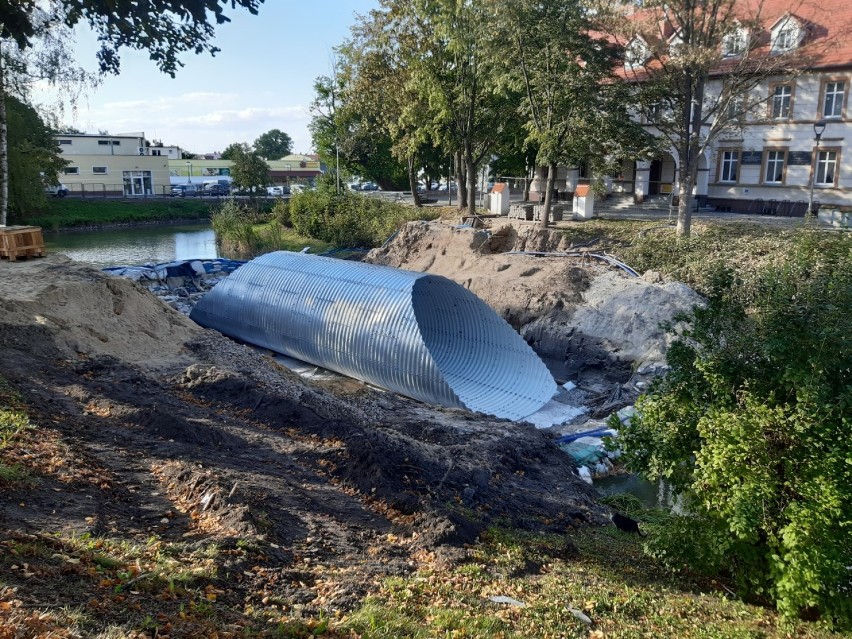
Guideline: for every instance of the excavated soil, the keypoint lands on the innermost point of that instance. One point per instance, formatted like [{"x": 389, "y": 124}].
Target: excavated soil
[
  {"x": 147, "y": 425},
  {"x": 590, "y": 322}
]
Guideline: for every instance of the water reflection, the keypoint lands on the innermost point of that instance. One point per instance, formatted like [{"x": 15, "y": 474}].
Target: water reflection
[{"x": 137, "y": 245}]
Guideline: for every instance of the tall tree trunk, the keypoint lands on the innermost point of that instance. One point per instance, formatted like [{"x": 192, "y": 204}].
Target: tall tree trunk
[
  {"x": 461, "y": 182},
  {"x": 544, "y": 222},
  {"x": 412, "y": 183},
  {"x": 527, "y": 184},
  {"x": 684, "y": 204},
  {"x": 471, "y": 180},
  {"x": 4, "y": 148}
]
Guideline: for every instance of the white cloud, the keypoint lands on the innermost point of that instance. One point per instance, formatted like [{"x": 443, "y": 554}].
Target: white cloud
[{"x": 187, "y": 120}]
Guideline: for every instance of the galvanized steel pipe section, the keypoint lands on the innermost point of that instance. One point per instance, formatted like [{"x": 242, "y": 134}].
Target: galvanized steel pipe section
[{"x": 420, "y": 335}]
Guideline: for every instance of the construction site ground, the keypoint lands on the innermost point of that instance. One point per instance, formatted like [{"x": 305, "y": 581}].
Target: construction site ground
[{"x": 237, "y": 486}]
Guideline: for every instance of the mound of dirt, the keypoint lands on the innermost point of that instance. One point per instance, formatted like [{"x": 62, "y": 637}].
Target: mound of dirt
[
  {"x": 591, "y": 323},
  {"x": 60, "y": 308},
  {"x": 147, "y": 426}
]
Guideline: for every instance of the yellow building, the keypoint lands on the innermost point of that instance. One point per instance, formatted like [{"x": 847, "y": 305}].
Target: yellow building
[
  {"x": 112, "y": 165},
  {"x": 290, "y": 169}
]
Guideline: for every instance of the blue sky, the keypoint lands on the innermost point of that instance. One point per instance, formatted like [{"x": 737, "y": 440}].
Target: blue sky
[{"x": 261, "y": 79}]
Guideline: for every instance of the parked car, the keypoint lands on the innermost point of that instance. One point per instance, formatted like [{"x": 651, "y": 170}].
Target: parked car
[
  {"x": 56, "y": 190},
  {"x": 216, "y": 190},
  {"x": 278, "y": 190},
  {"x": 369, "y": 186},
  {"x": 185, "y": 190}
]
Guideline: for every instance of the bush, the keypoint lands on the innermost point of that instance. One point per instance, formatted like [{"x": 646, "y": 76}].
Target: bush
[
  {"x": 348, "y": 219},
  {"x": 752, "y": 425}
]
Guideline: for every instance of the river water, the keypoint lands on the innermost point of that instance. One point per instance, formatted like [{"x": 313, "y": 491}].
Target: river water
[{"x": 134, "y": 246}]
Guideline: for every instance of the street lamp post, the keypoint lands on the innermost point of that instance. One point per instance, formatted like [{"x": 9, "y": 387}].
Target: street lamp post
[
  {"x": 188, "y": 172},
  {"x": 819, "y": 128},
  {"x": 287, "y": 170}
]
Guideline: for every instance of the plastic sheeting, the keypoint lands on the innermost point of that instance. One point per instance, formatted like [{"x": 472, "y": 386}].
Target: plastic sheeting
[{"x": 419, "y": 335}]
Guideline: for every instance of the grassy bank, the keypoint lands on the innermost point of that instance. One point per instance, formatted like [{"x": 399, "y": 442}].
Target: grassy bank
[
  {"x": 320, "y": 220},
  {"x": 71, "y": 212}
]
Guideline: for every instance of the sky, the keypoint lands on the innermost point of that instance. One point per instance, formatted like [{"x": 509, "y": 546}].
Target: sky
[{"x": 261, "y": 79}]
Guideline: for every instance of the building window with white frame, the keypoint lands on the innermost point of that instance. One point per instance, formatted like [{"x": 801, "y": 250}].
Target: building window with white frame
[
  {"x": 730, "y": 162},
  {"x": 782, "y": 97},
  {"x": 71, "y": 170},
  {"x": 826, "y": 168},
  {"x": 832, "y": 102},
  {"x": 99, "y": 170},
  {"x": 775, "y": 167},
  {"x": 734, "y": 43},
  {"x": 784, "y": 40}
]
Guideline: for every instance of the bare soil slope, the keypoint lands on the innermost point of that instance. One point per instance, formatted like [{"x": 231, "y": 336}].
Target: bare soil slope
[{"x": 149, "y": 427}]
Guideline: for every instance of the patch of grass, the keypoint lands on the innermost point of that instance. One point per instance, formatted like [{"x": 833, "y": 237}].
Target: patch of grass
[
  {"x": 73, "y": 212},
  {"x": 625, "y": 594},
  {"x": 651, "y": 246}
]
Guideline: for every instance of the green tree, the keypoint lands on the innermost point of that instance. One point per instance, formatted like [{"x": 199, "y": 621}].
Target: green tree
[
  {"x": 573, "y": 108},
  {"x": 250, "y": 172},
  {"x": 751, "y": 426},
  {"x": 234, "y": 150},
  {"x": 452, "y": 67},
  {"x": 273, "y": 145},
  {"x": 340, "y": 131},
  {"x": 34, "y": 158}
]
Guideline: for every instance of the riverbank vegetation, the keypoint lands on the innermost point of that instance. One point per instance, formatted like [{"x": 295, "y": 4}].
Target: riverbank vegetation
[
  {"x": 67, "y": 212},
  {"x": 244, "y": 231},
  {"x": 751, "y": 427},
  {"x": 320, "y": 219}
]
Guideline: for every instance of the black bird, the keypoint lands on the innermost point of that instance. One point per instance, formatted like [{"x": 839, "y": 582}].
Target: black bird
[{"x": 625, "y": 524}]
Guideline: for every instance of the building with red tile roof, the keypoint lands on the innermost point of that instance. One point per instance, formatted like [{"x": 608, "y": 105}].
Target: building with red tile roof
[{"x": 796, "y": 137}]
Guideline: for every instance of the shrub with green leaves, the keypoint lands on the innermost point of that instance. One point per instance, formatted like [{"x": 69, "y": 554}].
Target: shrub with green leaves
[
  {"x": 349, "y": 219},
  {"x": 752, "y": 425}
]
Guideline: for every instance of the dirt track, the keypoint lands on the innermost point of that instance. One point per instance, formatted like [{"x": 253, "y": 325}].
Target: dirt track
[{"x": 148, "y": 425}]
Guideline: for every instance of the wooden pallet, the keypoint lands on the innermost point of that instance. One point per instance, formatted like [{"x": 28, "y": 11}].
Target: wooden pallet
[{"x": 21, "y": 242}]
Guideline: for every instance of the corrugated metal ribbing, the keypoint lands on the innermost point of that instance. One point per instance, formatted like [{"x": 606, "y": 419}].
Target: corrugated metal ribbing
[{"x": 420, "y": 335}]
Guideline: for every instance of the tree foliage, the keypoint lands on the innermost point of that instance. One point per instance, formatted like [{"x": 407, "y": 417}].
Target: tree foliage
[
  {"x": 340, "y": 125},
  {"x": 250, "y": 172},
  {"x": 33, "y": 157},
  {"x": 234, "y": 150},
  {"x": 751, "y": 426},
  {"x": 164, "y": 28},
  {"x": 273, "y": 145},
  {"x": 573, "y": 108}
]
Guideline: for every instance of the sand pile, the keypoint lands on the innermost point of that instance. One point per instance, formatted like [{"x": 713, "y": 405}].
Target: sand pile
[{"x": 61, "y": 308}]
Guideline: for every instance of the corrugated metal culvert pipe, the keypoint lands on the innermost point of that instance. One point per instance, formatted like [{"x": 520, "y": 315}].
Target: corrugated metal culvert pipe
[{"x": 417, "y": 334}]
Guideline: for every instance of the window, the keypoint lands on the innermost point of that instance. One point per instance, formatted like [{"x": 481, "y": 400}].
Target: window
[
  {"x": 109, "y": 142},
  {"x": 99, "y": 170},
  {"x": 785, "y": 40},
  {"x": 729, "y": 170},
  {"x": 782, "y": 98},
  {"x": 734, "y": 43},
  {"x": 774, "y": 173},
  {"x": 826, "y": 168},
  {"x": 832, "y": 102},
  {"x": 71, "y": 170},
  {"x": 155, "y": 151},
  {"x": 64, "y": 142}
]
